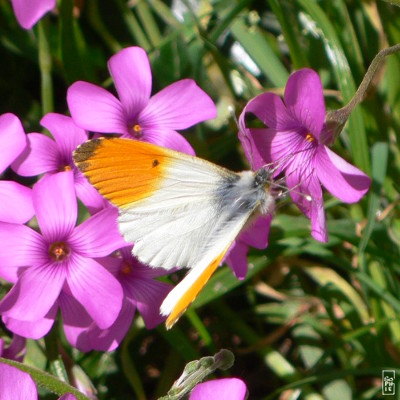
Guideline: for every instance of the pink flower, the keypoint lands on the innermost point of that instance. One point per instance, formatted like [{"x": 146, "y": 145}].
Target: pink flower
[
  {"x": 16, "y": 384},
  {"x": 141, "y": 292},
  {"x": 12, "y": 139},
  {"x": 136, "y": 115},
  {"x": 28, "y": 12},
  {"x": 74, "y": 317},
  {"x": 16, "y": 205},
  {"x": 44, "y": 155},
  {"x": 295, "y": 140},
  {"x": 59, "y": 260},
  {"x": 16, "y": 349},
  {"x": 15, "y": 200},
  {"x": 221, "y": 389},
  {"x": 256, "y": 235}
]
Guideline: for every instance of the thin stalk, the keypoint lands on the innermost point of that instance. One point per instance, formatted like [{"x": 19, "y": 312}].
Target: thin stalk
[
  {"x": 337, "y": 118},
  {"x": 45, "y": 65}
]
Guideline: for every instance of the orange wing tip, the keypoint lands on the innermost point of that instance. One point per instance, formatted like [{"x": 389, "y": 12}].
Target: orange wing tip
[
  {"x": 124, "y": 171},
  {"x": 84, "y": 152},
  {"x": 180, "y": 298},
  {"x": 172, "y": 320}
]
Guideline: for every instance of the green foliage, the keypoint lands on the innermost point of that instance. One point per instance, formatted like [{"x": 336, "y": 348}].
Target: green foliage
[{"x": 311, "y": 320}]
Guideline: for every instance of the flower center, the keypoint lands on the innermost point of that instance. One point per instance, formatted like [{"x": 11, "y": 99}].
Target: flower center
[
  {"x": 136, "y": 131},
  {"x": 58, "y": 251},
  {"x": 63, "y": 168},
  {"x": 125, "y": 268},
  {"x": 310, "y": 138}
]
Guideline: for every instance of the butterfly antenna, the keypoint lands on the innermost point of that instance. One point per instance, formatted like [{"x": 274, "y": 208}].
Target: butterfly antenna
[
  {"x": 280, "y": 162},
  {"x": 280, "y": 183}
]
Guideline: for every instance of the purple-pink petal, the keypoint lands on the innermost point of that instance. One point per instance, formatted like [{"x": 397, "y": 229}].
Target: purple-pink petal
[
  {"x": 178, "y": 106},
  {"x": 98, "y": 236},
  {"x": 269, "y": 108},
  {"x": 16, "y": 350},
  {"x": 35, "y": 292},
  {"x": 96, "y": 289},
  {"x": 55, "y": 204},
  {"x": 298, "y": 181},
  {"x": 289, "y": 147},
  {"x": 109, "y": 339},
  {"x": 221, "y": 389},
  {"x": 16, "y": 384},
  {"x": 32, "y": 329},
  {"x": 256, "y": 144},
  {"x": 28, "y": 12},
  {"x": 66, "y": 134},
  {"x": 95, "y": 109},
  {"x": 304, "y": 99},
  {"x": 278, "y": 148},
  {"x": 20, "y": 247},
  {"x": 257, "y": 233},
  {"x": 16, "y": 205},
  {"x": 319, "y": 230},
  {"x": 12, "y": 139},
  {"x": 168, "y": 138},
  {"x": 148, "y": 295},
  {"x": 340, "y": 178},
  {"x": 112, "y": 263},
  {"x": 131, "y": 73},
  {"x": 306, "y": 192},
  {"x": 76, "y": 321},
  {"x": 40, "y": 155},
  {"x": 237, "y": 259}
]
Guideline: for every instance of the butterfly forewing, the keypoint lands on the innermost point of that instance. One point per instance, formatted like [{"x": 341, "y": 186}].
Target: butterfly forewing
[
  {"x": 169, "y": 202},
  {"x": 178, "y": 210}
]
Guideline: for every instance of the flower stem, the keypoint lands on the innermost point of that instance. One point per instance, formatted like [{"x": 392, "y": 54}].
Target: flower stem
[
  {"x": 45, "y": 65},
  {"x": 57, "y": 367},
  {"x": 336, "y": 119}
]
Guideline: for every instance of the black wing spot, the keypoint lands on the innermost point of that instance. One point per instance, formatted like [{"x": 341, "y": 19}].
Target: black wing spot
[
  {"x": 84, "y": 152},
  {"x": 155, "y": 163}
]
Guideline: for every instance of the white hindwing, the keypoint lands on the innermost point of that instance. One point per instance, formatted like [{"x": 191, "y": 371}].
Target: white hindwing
[{"x": 184, "y": 220}]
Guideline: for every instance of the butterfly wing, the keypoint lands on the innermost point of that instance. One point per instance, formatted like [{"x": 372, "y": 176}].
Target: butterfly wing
[
  {"x": 178, "y": 210},
  {"x": 168, "y": 201},
  {"x": 183, "y": 294}
]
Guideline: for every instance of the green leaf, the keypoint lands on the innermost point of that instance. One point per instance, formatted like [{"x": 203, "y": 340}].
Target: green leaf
[
  {"x": 290, "y": 29},
  {"x": 148, "y": 22},
  {"x": 325, "y": 276},
  {"x": 324, "y": 29},
  {"x": 46, "y": 66},
  {"x": 223, "y": 281},
  {"x": 260, "y": 51},
  {"x": 337, "y": 389},
  {"x": 70, "y": 54},
  {"x": 380, "y": 152},
  {"x": 393, "y": 2},
  {"x": 177, "y": 338}
]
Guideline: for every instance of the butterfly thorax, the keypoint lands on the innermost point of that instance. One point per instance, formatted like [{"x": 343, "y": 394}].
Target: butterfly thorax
[{"x": 246, "y": 192}]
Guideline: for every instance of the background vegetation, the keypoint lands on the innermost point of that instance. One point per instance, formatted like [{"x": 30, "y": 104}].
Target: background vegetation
[{"x": 311, "y": 320}]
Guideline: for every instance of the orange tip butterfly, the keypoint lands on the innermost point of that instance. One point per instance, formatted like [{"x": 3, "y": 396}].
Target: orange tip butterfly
[{"x": 178, "y": 210}]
